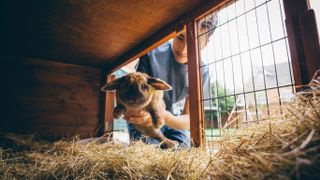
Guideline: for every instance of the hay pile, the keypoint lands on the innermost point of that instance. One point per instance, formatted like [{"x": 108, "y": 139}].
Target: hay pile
[{"x": 284, "y": 148}]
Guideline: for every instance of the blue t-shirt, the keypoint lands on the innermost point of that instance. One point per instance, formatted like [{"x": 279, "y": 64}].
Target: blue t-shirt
[{"x": 161, "y": 63}]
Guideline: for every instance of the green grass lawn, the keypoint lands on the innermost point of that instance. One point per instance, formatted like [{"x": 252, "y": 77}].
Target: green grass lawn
[{"x": 214, "y": 133}]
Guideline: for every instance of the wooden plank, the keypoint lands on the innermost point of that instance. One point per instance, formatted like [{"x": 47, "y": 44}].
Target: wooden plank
[
  {"x": 57, "y": 132},
  {"x": 303, "y": 40},
  {"x": 89, "y": 32},
  {"x": 23, "y": 78},
  {"x": 195, "y": 93},
  {"x": 165, "y": 34},
  {"x": 292, "y": 10},
  {"x": 109, "y": 106},
  {"x": 77, "y": 94},
  {"x": 101, "y": 103},
  {"x": 76, "y": 87},
  {"x": 45, "y": 93},
  {"x": 34, "y": 104},
  {"x": 38, "y": 75},
  {"x": 57, "y": 119},
  {"x": 295, "y": 52},
  {"x": 310, "y": 40},
  {"x": 47, "y": 65}
]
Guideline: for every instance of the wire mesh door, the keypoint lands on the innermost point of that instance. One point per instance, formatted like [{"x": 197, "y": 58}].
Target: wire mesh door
[{"x": 249, "y": 65}]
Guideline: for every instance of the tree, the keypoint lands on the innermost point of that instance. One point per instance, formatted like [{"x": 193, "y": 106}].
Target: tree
[{"x": 225, "y": 103}]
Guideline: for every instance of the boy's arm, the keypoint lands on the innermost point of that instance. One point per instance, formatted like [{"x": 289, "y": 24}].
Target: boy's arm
[{"x": 181, "y": 122}]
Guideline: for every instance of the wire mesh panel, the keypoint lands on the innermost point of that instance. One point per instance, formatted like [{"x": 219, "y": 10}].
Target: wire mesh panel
[{"x": 249, "y": 64}]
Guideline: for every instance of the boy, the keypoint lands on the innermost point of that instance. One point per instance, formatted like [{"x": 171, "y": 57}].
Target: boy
[{"x": 169, "y": 63}]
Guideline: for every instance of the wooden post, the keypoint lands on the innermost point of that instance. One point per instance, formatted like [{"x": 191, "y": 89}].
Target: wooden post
[
  {"x": 303, "y": 40},
  {"x": 109, "y": 105},
  {"x": 195, "y": 90},
  {"x": 310, "y": 40}
]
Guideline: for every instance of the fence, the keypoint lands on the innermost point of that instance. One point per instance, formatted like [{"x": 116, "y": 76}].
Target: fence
[{"x": 249, "y": 65}]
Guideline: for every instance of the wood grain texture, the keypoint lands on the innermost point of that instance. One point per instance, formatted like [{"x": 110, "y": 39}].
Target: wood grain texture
[
  {"x": 310, "y": 39},
  {"x": 109, "y": 106},
  {"x": 165, "y": 33},
  {"x": 94, "y": 33},
  {"x": 195, "y": 93},
  {"x": 60, "y": 97},
  {"x": 303, "y": 40}
]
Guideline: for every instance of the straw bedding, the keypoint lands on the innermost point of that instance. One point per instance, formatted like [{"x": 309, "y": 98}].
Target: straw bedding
[{"x": 287, "y": 147}]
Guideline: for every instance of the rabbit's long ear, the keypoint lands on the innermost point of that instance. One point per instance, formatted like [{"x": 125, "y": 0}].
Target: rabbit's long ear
[
  {"x": 113, "y": 85},
  {"x": 159, "y": 84}
]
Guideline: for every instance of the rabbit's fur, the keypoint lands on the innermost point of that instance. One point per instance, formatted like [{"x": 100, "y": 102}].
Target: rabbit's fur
[{"x": 137, "y": 92}]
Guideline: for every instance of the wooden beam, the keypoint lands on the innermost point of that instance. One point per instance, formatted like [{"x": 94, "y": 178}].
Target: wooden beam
[
  {"x": 165, "y": 34},
  {"x": 303, "y": 40},
  {"x": 296, "y": 53},
  {"x": 310, "y": 40},
  {"x": 152, "y": 42},
  {"x": 109, "y": 106},
  {"x": 195, "y": 90}
]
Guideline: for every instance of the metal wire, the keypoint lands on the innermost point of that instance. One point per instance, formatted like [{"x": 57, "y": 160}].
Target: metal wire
[
  {"x": 246, "y": 51},
  {"x": 248, "y": 92},
  {"x": 240, "y": 59}
]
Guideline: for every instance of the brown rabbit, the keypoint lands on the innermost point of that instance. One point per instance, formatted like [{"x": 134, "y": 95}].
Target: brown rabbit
[{"x": 137, "y": 92}]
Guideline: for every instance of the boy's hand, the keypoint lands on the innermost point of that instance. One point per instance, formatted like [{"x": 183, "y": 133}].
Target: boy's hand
[{"x": 141, "y": 117}]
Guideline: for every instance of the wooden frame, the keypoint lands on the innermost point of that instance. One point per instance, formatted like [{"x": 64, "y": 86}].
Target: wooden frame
[
  {"x": 195, "y": 83},
  {"x": 303, "y": 40},
  {"x": 109, "y": 105}
]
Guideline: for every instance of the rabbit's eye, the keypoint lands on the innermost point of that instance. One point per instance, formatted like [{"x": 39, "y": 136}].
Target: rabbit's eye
[{"x": 144, "y": 87}]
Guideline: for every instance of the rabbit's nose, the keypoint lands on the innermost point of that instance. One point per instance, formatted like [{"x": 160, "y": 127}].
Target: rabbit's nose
[{"x": 131, "y": 97}]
